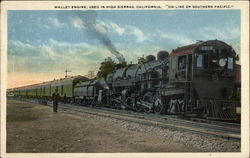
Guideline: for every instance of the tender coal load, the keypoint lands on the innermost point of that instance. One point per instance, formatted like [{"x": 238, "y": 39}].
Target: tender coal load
[
  {"x": 162, "y": 55},
  {"x": 150, "y": 58}
]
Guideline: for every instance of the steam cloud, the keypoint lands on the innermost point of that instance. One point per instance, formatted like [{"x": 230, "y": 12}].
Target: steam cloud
[{"x": 86, "y": 20}]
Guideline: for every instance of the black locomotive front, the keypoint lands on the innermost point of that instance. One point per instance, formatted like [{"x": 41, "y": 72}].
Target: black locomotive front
[{"x": 205, "y": 70}]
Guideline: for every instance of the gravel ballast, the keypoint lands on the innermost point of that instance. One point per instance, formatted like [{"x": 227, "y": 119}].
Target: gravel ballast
[{"x": 204, "y": 143}]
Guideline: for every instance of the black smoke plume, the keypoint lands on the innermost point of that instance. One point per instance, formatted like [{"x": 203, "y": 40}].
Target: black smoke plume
[{"x": 86, "y": 20}]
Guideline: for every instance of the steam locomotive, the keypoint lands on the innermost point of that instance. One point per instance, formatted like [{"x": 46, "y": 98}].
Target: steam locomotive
[{"x": 196, "y": 79}]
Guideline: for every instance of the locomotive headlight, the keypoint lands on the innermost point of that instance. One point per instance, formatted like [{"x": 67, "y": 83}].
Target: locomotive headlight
[
  {"x": 214, "y": 61},
  {"x": 222, "y": 62}
]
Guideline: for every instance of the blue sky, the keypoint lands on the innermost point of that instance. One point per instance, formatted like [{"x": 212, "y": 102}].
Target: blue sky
[{"x": 48, "y": 41}]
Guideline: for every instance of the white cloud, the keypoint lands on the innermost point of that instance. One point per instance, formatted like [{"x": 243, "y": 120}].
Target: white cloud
[
  {"x": 227, "y": 33},
  {"x": 180, "y": 39},
  {"x": 46, "y": 26},
  {"x": 49, "y": 52},
  {"x": 140, "y": 36},
  {"x": 20, "y": 44},
  {"x": 56, "y": 22},
  {"x": 100, "y": 28},
  {"x": 54, "y": 56},
  {"x": 134, "y": 31},
  {"x": 78, "y": 23},
  {"x": 119, "y": 30},
  {"x": 67, "y": 44}
]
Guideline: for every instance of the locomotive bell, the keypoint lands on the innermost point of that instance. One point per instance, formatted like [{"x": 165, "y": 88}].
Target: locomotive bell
[{"x": 150, "y": 58}]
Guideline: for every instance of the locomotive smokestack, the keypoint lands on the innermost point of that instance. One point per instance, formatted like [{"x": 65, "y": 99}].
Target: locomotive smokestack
[{"x": 86, "y": 20}]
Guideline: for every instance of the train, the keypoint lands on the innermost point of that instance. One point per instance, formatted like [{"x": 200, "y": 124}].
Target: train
[
  {"x": 45, "y": 90},
  {"x": 197, "y": 80}
]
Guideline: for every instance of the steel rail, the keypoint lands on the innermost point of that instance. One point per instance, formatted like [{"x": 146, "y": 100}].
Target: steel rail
[
  {"x": 171, "y": 126},
  {"x": 171, "y": 120},
  {"x": 201, "y": 122}
]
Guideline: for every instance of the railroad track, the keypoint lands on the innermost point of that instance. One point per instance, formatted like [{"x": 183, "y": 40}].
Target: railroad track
[{"x": 215, "y": 129}]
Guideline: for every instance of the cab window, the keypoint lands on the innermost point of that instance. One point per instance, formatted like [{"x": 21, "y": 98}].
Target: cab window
[
  {"x": 202, "y": 61},
  {"x": 182, "y": 62},
  {"x": 199, "y": 61}
]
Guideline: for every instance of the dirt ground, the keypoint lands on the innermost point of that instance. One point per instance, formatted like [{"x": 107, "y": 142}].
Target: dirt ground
[{"x": 35, "y": 128}]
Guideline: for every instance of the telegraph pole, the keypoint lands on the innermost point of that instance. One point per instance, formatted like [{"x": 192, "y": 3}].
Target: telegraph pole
[
  {"x": 66, "y": 71},
  {"x": 91, "y": 74}
]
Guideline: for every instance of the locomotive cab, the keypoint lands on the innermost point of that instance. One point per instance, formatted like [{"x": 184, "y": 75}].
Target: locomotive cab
[
  {"x": 210, "y": 61},
  {"x": 181, "y": 65}
]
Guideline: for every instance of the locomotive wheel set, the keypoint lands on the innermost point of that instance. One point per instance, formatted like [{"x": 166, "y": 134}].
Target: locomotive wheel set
[{"x": 194, "y": 80}]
